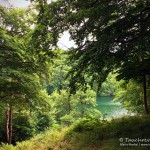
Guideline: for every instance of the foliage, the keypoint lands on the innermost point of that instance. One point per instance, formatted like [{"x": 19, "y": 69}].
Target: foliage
[
  {"x": 89, "y": 26},
  {"x": 131, "y": 96},
  {"x": 89, "y": 134},
  {"x": 70, "y": 108},
  {"x": 58, "y": 73},
  {"x": 22, "y": 128},
  {"x": 84, "y": 104},
  {"x": 96, "y": 54},
  {"x": 109, "y": 86},
  {"x": 43, "y": 121},
  {"x": 97, "y": 130},
  {"x": 21, "y": 71},
  {"x": 28, "y": 122},
  {"x": 2, "y": 120},
  {"x": 28, "y": 61},
  {"x": 60, "y": 69}
]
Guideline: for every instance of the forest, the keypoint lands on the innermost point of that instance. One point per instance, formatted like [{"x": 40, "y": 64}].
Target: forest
[{"x": 49, "y": 95}]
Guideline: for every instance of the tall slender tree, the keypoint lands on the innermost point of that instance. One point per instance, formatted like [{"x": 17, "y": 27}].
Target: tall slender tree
[{"x": 21, "y": 67}]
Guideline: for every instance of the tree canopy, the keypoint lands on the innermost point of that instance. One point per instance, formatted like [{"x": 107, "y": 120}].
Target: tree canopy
[{"x": 109, "y": 35}]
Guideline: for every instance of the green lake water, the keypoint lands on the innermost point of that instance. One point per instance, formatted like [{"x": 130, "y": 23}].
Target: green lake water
[{"x": 110, "y": 109}]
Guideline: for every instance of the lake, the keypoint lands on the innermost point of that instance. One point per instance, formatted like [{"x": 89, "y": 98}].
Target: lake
[{"x": 112, "y": 109}]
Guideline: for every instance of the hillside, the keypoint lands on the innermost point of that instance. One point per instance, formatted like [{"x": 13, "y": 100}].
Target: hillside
[{"x": 93, "y": 134}]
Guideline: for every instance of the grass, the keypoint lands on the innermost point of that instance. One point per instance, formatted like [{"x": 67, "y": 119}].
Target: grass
[{"x": 90, "y": 134}]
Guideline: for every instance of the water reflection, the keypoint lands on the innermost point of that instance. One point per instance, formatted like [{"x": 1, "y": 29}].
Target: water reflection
[{"x": 110, "y": 109}]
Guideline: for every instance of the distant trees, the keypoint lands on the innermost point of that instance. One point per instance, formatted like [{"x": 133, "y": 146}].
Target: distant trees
[
  {"x": 58, "y": 73},
  {"x": 109, "y": 86},
  {"x": 59, "y": 81},
  {"x": 72, "y": 107}
]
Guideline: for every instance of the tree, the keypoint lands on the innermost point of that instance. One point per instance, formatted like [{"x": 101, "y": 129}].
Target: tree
[
  {"x": 62, "y": 103},
  {"x": 18, "y": 83},
  {"x": 84, "y": 104},
  {"x": 58, "y": 73},
  {"x": 109, "y": 86},
  {"x": 70, "y": 108},
  {"x": 130, "y": 95},
  {"x": 109, "y": 35},
  {"x": 20, "y": 64}
]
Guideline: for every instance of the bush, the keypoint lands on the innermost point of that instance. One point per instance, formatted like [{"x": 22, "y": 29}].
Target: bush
[
  {"x": 133, "y": 126},
  {"x": 116, "y": 128},
  {"x": 90, "y": 133},
  {"x": 42, "y": 121},
  {"x": 22, "y": 128}
]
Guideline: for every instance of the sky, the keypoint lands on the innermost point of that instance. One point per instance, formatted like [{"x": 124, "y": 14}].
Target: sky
[
  {"x": 20, "y": 3},
  {"x": 15, "y": 3},
  {"x": 64, "y": 41}
]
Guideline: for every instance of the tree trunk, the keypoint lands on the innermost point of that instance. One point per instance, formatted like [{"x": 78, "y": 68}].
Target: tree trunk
[
  {"x": 9, "y": 124},
  {"x": 145, "y": 95}
]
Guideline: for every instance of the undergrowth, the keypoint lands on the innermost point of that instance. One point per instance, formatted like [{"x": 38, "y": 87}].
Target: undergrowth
[{"x": 90, "y": 134}]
